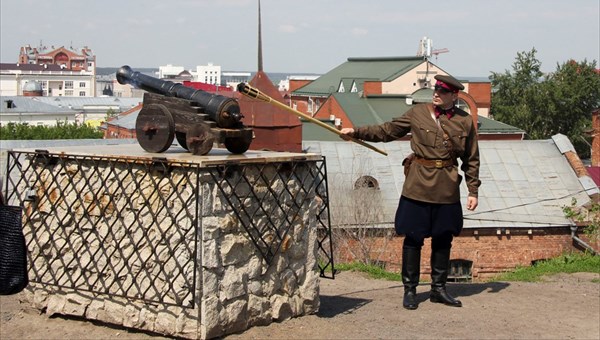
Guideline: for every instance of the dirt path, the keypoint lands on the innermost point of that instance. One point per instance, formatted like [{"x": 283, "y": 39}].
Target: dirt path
[{"x": 355, "y": 307}]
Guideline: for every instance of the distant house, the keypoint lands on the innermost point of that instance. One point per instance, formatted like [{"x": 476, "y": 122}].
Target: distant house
[
  {"x": 55, "y": 80},
  {"x": 60, "y": 71},
  {"x": 376, "y": 110},
  {"x": 364, "y": 91},
  {"x": 72, "y": 59}
]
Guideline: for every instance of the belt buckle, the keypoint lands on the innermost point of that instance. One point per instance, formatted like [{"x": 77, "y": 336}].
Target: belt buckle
[{"x": 438, "y": 164}]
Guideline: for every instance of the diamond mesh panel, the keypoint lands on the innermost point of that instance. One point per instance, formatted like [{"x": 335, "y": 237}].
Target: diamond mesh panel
[
  {"x": 129, "y": 228},
  {"x": 109, "y": 226}
]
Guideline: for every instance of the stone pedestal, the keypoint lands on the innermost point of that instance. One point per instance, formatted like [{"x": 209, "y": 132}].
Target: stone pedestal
[{"x": 182, "y": 245}]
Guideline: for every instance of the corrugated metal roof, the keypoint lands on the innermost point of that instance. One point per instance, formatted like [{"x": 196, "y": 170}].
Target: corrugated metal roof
[
  {"x": 27, "y": 105},
  {"x": 65, "y": 104},
  {"x": 80, "y": 103},
  {"x": 525, "y": 184},
  {"x": 126, "y": 121}
]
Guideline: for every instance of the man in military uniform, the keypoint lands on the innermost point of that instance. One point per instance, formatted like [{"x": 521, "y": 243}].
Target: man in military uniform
[{"x": 430, "y": 202}]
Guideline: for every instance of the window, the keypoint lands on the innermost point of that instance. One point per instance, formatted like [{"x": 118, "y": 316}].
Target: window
[
  {"x": 81, "y": 93},
  {"x": 460, "y": 270},
  {"x": 68, "y": 84},
  {"x": 366, "y": 182},
  {"x": 81, "y": 84},
  {"x": 68, "y": 92}
]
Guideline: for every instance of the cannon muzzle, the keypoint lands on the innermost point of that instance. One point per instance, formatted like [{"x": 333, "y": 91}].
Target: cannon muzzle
[{"x": 223, "y": 110}]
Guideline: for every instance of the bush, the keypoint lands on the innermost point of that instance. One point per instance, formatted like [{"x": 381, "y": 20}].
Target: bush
[{"x": 62, "y": 130}]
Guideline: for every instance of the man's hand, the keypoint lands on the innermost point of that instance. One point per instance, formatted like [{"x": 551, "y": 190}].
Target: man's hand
[
  {"x": 472, "y": 203},
  {"x": 346, "y": 132}
]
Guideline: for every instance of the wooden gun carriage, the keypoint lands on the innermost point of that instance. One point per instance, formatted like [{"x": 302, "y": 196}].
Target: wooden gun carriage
[{"x": 197, "y": 119}]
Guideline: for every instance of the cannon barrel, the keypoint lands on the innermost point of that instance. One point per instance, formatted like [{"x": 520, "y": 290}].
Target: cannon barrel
[{"x": 223, "y": 110}]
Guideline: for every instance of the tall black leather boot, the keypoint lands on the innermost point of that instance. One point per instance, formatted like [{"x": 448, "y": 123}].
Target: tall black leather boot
[
  {"x": 411, "y": 271},
  {"x": 440, "y": 265}
]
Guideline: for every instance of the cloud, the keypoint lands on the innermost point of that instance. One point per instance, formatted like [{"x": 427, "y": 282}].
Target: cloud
[
  {"x": 288, "y": 28},
  {"x": 359, "y": 31},
  {"x": 139, "y": 22}
]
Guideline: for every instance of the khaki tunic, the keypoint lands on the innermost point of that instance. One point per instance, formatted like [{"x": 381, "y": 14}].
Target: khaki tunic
[{"x": 429, "y": 184}]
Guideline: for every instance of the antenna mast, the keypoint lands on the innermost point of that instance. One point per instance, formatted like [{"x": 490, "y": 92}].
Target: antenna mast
[{"x": 426, "y": 49}]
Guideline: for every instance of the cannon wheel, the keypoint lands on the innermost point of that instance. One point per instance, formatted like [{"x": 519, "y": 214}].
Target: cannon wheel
[
  {"x": 155, "y": 128},
  {"x": 238, "y": 145},
  {"x": 199, "y": 139},
  {"x": 181, "y": 139}
]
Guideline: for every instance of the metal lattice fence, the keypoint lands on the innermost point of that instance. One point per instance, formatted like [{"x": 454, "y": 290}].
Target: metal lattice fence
[{"x": 129, "y": 228}]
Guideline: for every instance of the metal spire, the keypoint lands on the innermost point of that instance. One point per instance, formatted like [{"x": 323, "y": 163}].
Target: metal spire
[{"x": 260, "y": 59}]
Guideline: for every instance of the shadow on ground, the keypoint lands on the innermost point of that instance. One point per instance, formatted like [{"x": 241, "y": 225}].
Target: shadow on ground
[{"x": 344, "y": 304}]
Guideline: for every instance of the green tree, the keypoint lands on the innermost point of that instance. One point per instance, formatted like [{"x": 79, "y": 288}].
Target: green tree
[
  {"x": 544, "y": 105},
  {"x": 109, "y": 114}
]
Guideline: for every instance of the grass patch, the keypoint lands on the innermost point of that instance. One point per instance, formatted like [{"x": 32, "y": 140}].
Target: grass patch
[
  {"x": 373, "y": 271},
  {"x": 566, "y": 263}
]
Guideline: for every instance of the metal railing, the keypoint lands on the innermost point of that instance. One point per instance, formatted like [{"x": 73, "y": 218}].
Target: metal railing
[{"x": 129, "y": 228}]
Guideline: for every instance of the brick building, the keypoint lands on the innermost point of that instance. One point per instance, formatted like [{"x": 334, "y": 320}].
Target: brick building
[
  {"x": 520, "y": 219},
  {"x": 59, "y": 71},
  {"x": 66, "y": 58},
  {"x": 365, "y": 91}
]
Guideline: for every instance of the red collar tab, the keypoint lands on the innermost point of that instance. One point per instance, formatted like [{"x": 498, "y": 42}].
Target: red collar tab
[{"x": 439, "y": 111}]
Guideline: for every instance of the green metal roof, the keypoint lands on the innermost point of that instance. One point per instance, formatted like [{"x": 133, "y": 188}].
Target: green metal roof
[
  {"x": 423, "y": 95},
  {"x": 489, "y": 126},
  {"x": 359, "y": 70},
  {"x": 377, "y": 109},
  {"x": 311, "y": 131}
]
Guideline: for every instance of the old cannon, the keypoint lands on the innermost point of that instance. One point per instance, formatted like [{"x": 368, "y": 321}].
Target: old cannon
[{"x": 197, "y": 119}]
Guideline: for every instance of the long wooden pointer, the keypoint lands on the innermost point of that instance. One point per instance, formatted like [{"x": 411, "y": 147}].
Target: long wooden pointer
[{"x": 252, "y": 92}]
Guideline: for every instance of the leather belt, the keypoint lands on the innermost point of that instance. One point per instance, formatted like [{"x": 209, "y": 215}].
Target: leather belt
[{"x": 435, "y": 163}]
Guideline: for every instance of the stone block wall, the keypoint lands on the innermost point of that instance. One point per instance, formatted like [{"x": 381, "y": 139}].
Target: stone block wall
[{"x": 203, "y": 283}]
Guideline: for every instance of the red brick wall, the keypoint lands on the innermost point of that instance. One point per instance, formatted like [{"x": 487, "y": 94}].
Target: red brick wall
[
  {"x": 332, "y": 107},
  {"x": 490, "y": 252},
  {"x": 372, "y": 87},
  {"x": 481, "y": 93},
  {"x": 116, "y": 132}
]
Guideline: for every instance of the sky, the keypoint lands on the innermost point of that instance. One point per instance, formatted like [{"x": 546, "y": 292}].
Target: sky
[{"x": 307, "y": 36}]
